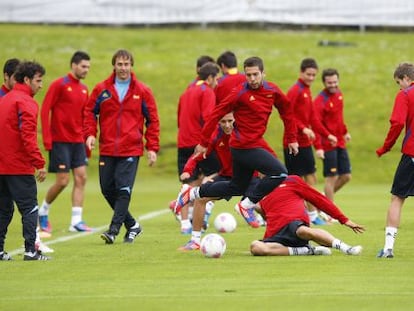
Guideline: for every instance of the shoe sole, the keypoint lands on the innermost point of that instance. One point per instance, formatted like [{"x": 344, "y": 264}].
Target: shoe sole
[
  {"x": 106, "y": 239},
  {"x": 128, "y": 241}
]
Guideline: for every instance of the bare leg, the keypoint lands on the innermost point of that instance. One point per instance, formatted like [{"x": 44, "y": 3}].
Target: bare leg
[
  {"x": 394, "y": 211},
  {"x": 259, "y": 248},
  {"x": 310, "y": 179},
  {"x": 62, "y": 180},
  {"x": 79, "y": 182},
  {"x": 341, "y": 181},
  {"x": 320, "y": 236},
  {"x": 329, "y": 188}
]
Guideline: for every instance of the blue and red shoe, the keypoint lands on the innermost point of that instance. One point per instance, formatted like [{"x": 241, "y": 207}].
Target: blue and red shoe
[
  {"x": 183, "y": 198},
  {"x": 248, "y": 215},
  {"x": 44, "y": 224}
]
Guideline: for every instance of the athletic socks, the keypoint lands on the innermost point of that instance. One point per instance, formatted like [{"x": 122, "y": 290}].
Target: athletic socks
[
  {"x": 196, "y": 236},
  {"x": 390, "y": 235},
  {"x": 76, "y": 215},
  {"x": 44, "y": 209},
  {"x": 342, "y": 246},
  {"x": 299, "y": 251}
]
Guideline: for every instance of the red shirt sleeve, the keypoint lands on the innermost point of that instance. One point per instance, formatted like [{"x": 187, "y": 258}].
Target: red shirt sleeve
[{"x": 51, "y": 97}]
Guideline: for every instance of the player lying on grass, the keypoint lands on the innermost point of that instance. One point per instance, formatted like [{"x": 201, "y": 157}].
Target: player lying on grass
[{"x": 288, "y": 232}]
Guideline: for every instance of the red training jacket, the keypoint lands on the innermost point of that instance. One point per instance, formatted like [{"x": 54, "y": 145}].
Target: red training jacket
[
  {"x": 305, "y": 116},
  {"x": 286, "y": 203},
  {"x": 194, "y": 106},
  {"x": 251, "y": 109},
  {"x": 402, "y": 115},
  {"x": 121, "y": 124},
  {"x": 330, "y": 110},
  {"x": 20, "y": 153},
  {"x": 227, "y": 82},
  {"x": 62, "y": 111}
]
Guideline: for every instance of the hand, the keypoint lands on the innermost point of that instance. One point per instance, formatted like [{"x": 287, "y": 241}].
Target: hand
[
  {"x": 184, "y": 176},
  {"x": 308, "y": 132},
  {"x": 347, "y": 137},
  {"x": 320, "y": 154},
  {"x": 152, "y": 157},
  {"x": 355, "y": 227},
  {"x": 381, "y": 151},
  {"x": 90, "y": 142},
  {"x": 41, "y": 174},
  {"x": 332, "y": 139},
  {"x": 200, "y": 149},
  {"x": 293, "y": 148}
]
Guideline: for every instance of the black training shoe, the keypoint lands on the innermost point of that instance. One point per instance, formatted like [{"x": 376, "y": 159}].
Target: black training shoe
[
  {"x": 131, "y": 234},
  {"x": 35, "y": 256},
  {"x": 5, "y": 256},
  {"x": 108, "y": 237}
]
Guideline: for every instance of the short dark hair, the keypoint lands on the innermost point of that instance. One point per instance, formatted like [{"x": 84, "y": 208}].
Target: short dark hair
[
  {"x": 308, "y": 63},
  {"x": 208, "y": 69},
  {"x": 79, "y": 56},
  {"x": 254, "y": 62},
  {"x": 124, "y": 54},
  {"x": 10, "y": 66},
  {"x": 28, "y": 69},
  {"x": 404, "y": 69},
  {"x": 329, "y": 72},
  {"x": 228, "y": 59},
  {"x": 203, "y": 59}
]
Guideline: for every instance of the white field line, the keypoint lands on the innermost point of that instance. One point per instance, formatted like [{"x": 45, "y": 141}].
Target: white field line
[{"x": 73, "y": 236}]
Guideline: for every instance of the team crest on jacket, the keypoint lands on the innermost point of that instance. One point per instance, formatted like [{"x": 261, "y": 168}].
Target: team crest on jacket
[
  {"x": 305, "y": 95},
  {"x": 69, "y": 89},
  {"x": 135, "y": 96},
  {"x": 252, "y": 98}
]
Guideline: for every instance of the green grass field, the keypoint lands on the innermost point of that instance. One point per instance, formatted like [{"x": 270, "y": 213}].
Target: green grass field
[{"x": 151, "y": 274}]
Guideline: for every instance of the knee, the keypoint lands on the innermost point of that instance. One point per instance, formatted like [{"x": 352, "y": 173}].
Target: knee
[
  {"x": 346, "y": 178},
  {"x": 80, "y": 180},
  {"x": 256, "y": 248},
  {"x": 62, "y": 181}
]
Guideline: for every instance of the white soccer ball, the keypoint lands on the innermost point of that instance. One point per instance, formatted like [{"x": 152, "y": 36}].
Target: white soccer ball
[
  {"x": 213, "y": 245},
  {"x": 225, "y": 223}
]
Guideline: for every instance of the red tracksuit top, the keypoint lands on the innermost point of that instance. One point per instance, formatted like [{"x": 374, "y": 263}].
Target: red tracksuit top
[
  {"x": 3, "y": 90},
  {"x": 402, "y": 115},
  {"x": 194, "y": 106},
  {"x": 330, "y": 110},
  {"x": 251, "y": 109},
  {"x": 219, "y": 143},
  {"x": 121, "y": 124},
  {"x": 305, "y": 115},
  {"x": 227, "y": 82},
  {"x": 286, "y": 203},
  {"x": 62, "y": 111},
  {"x": 20, "y": 153}
]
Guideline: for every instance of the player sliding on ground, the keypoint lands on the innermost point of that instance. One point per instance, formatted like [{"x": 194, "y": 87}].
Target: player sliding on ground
[{"x": 288, "y": 232}]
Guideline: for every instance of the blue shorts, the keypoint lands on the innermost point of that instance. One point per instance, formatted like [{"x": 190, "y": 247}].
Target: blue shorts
[
  {"x": 403, "y": 184},
  {"x": 66, "y": 156},
  {"x": 336, "y": 162},
  {"x": 287, "y": 235},
  {"x": 301, "y": 164}
]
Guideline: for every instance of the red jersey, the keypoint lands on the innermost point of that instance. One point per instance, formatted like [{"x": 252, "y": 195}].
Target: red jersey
[
  {"x": 20, "y": 153},
  {"x": 330, "y": 110},
  {"x": 286, "y": 203},
  {"x": 3, "y": 90},
  {"x": 305, "y": 116},
  {"x": 227, "y": 82},
  {"x": 402, "y": 115},
  {"x": 194, "y": 106},
  {"x": 121, "y": 123},
  {"x": 62, "y": 111},
  {"x": 251, "y": 109},
  {"x": 219, "y": 143}
]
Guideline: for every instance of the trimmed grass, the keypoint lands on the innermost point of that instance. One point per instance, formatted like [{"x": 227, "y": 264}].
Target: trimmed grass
[{"x": 152, "y": 275}]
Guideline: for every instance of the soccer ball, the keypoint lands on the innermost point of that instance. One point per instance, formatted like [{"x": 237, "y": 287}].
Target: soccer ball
[
  {"x": 225, "y": 222},
  {"x": 213, "y": 245}
]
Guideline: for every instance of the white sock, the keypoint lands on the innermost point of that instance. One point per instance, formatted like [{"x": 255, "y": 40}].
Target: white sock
[
  {"x": 44, "y": 208},
  {"x": 338, "y": 244},
  {"x": 76, "y": 215},
  {"x": 312, "y": 215},
  {"x": 246, "y": 203},
  {"x": 190, "y": 212},
  {"x": 299, "y": 251},
  {"x": 390, "y": 235},
  {"x": 194, "y": 193},
  {"x": 135, "y": 226},
  {"x": 209, "y": 207},
  {"x": 196, "y": 236},
  {"x": 185, "y": 223}
]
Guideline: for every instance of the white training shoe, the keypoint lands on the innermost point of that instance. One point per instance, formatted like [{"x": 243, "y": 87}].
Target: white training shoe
[
  {"x": 321, "y": 250},
  {"x": 40, "y": 246},
  {"x": 354, "y": 250}
]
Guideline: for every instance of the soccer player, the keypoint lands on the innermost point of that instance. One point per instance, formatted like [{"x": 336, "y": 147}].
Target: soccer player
[
  {"x": 252, "y": 104},
  {"x": 329, "y": 105},
  {"x": 121, "y": 106},
  {"x": 288, "y": 231},
  {"x": 307, "y": 122},
  {"x": 231, "y": 77},
  {"x": 21, "y": 157},
  {"x": 62, "y": 129},
  {"x": 194, "y": 105},
  {"x": 403, "y": 183}
]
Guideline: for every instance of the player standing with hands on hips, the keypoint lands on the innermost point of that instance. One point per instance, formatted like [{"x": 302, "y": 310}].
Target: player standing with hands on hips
[{"x": 121, "y": 106}]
